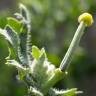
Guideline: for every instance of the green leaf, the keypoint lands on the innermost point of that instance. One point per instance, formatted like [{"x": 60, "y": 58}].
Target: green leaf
[
  {"x": 35, "y": 52},
  {"x": 70, "y": 92},
  {"x": 43, "y": 52},
  {"x": 12, "y": 38},
  {"x": 38, "y": 70},
  {"x": 6, "y": 35},
  {"x": 15, "y": 63},
  {"x": 34, "y": 92},
  {"x": 15, "y": 48},
  {"x": 22, "y": 71},
  {"x": 24, "y": 12},
  {"x": 41, "y": 70},
  {"x": 15, "y": 24}
]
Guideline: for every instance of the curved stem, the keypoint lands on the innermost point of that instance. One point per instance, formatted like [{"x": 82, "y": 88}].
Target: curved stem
[{"x": 76, "y": 39}]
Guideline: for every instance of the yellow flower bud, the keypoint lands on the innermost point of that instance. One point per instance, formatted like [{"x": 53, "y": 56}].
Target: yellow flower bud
[{"x": 87, "y": 18}]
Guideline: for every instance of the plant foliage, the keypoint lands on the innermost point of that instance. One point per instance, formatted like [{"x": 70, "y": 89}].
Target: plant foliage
[{"x": 34, "y": 69}]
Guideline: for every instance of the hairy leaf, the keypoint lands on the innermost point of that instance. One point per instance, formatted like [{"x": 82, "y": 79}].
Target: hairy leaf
[
  {"x": 41, "y": 69},
  {"x": 15, "y": 24},
  {"x": 12, "y": 38},
  {"x": 35, "y": 52}
]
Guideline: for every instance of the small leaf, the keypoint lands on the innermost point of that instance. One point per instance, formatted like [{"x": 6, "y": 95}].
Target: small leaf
[
  {"x": 15, "y": 63},
  {"x": 43, "y": 52},
  {"x": 25, "y": 13},
  {"x": 70, "y": 92},
  {"x": 18, "y": 17},
  {"x": 15, "y": 24},
  {"x": 34, "y": 92},
  {"x": 6, "y": 35},
  {"x": 35, "y": 52}
]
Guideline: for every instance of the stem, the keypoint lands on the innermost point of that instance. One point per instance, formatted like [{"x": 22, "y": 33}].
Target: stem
[
  {"x": 74, "y": 44},
  {"x": 58, "y": 73}
]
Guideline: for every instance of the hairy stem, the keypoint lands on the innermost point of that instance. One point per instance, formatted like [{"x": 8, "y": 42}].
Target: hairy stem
[{"x": 76, "y": 39}]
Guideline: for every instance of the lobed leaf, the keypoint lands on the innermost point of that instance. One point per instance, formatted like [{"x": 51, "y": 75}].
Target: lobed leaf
[{"x": 36, "y": 52}]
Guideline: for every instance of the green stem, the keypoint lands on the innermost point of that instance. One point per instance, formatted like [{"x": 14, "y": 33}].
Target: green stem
[
  {"x": 74, "y": 44},
  {"x": 58, "y": 73}
]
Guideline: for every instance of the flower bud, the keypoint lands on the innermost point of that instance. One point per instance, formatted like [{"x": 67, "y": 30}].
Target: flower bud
[{"x": 86, "y": 18}]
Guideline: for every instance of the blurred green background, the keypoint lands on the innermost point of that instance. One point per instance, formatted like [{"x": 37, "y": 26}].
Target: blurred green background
[{"x": 53, "y": 25}]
